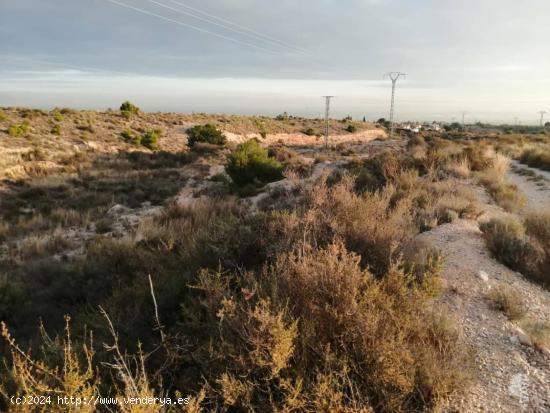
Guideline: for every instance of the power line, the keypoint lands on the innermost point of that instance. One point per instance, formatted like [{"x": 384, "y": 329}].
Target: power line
[
  {"x": 189, "y": 26},
  {"x": 327, "y": 113},
  {"x": 211, "y": 19},
  {"x": 71, "y": 66},
  {"x": 238, "y": 25},
  {"x": 394, "y": 76}
]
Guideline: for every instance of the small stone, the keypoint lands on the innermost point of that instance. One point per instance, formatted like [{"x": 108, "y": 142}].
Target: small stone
[
  {"x": 522, "y": 337},
  {"x": 483, "y": 275},
  {"x": 117, "y": 210}
]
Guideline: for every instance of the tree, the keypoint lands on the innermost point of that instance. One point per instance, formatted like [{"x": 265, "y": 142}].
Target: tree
[
  {"x": 128, "y": 109},
  {"x": 205, "y": 133},
  {"x": 383, "y": 122},
  {"x": 251, "y": 164}
]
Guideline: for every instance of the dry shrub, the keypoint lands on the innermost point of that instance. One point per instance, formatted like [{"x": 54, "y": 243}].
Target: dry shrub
[
  {"x": 459, "y": 168},
  {"x": 425, "y": 263},
  {"x": 527, "y": 253},
  {"x": 316, "y": 332},
  {"x": 537, "y": 225},
  {"x": 537, "y": 158},
  {"x": 507, "y": 300},
  {"x": 539, "y": 332},
  {"x": 37, "y": 246},
  {"x": 479, "y": 157},
  {"x": 506, "y": 240},
  {"x": 65, "y": 370},
  {"x": 69, "y": 369},
  {"x": 506, "y": 195},
  {"x": 435, "y": 202},
  {"x": 372, "y": 224},
  {"x": 4, "y": 230}
]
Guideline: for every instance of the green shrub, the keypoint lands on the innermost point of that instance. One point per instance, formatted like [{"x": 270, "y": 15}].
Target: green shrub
[
  {"x": 127, "y": 109},
  {"x": 383, "y": 122},
  {"x": 56, "y": 130},
  {"x": 3, "y": 116},
  {"x": 58, "y": 116},
  {"x": 206, "y": 134},
  {"x": 131, "y": 137},
  {"x": 19, "y": 130},
  {"x": 251, "y": 164},
  {"x": 351, "y": 128},
  {"x": 282, "y": 117},
  {"x": 150, "y": 139},
  {"x": 309, "y": 132}
]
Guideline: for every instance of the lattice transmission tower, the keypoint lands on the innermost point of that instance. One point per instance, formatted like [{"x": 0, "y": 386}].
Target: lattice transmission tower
[{"x": 394, "y": 76}]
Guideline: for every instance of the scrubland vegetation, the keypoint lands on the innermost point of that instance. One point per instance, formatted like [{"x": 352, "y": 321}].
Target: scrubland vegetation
[
  {"x": 317, "y": 299},
  {"x": 536, "y": 158},
  {"x": 524, "y": 247}
]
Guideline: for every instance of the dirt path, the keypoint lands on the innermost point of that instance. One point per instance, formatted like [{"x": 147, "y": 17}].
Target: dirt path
[
  {"x": 534, "y": 183},
  {"x": 511, "y": 377}
]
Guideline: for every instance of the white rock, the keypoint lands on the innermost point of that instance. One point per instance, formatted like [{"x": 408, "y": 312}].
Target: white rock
[
  {"x": 117, "y": 210},
  {"x": 483, "y": 275},
  {"x": 522, "y": 336}
]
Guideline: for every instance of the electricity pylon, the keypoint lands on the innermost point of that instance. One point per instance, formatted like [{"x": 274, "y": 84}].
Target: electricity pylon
[
  {"x": 327, "y": 112},
  {"x": 464, "y": 113},
  {"x": 393, "y": 76},
  {"x": 542, "y": 113}
]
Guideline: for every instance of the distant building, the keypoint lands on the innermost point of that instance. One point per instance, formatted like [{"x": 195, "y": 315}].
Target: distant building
[{"x": 434, "y": 126}]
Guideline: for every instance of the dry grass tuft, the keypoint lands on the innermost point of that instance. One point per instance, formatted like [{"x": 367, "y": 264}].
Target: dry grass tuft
[
  {"x": 507, "y": 300},
  {"x": 521, "y": 250},
  {"x": 539, "y": 333}
]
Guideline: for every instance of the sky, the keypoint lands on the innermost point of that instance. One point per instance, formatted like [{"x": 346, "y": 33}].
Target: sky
[{"x": 489, "y": 58}]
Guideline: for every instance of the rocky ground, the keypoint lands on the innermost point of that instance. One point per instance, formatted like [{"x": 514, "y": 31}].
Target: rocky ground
[{"x": 511, "y": 374}]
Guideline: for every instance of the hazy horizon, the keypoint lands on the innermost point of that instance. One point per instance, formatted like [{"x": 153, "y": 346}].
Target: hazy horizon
[{"x": 248, "y": 57}]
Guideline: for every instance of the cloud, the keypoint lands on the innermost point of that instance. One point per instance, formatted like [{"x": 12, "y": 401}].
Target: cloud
[{"x": 492, "y": 52}]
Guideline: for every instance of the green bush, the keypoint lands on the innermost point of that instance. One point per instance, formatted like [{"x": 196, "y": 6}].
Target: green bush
[
  {"x": 150, "y": 139},
  {"x": 205, "y": 133},
  {"x": 56, "y": 130},
  {"x": 383, "y": 122},
  {"x": 19, "y": 130},
  {"x": 250, "y": 163},
  {"x": 130, "y": 137},
  {"x": 309, "y": 132},
  {"x": 127, "y": 109},
  {"x": 351, "y": 128},
  {"x": 3, "y": 116},
  {"x": 58, "y": 116}
]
